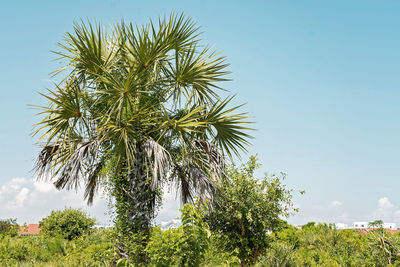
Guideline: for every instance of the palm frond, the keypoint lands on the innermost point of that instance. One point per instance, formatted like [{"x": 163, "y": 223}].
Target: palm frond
[
  {"x": 67, "y": 162},
  {"x": 158, "y": 160},
  {"x": 89, "y": 50},
  {"x": 93, "y": 179},
  {"x": 215, "y": 159},
  {"x": 194, "y": 75},
  {"x": 227, "y": 128},
  {"x": 199, "y": 172},
  {"x": 62, "y": 114}
]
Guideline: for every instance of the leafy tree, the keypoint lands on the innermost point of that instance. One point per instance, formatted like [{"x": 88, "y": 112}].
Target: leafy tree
[
  {"x": 68, "y": 223},
  {"x": 138, "y": 106},
  {"x": 309, "y": 225},
  {"x": 246, "y": 208},
  {"x": 9, "y": 227},
  {"x": 376, "y": 224}
]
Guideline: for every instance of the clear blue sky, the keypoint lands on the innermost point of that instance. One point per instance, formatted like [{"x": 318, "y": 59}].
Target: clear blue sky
[{"x": 321, "y": 79}]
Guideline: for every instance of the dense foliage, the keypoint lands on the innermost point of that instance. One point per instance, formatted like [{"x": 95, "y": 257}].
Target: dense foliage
[
  {"x": 185, "y": 246},
  {"x": 8, "y": 227},
  {"x": 94, "y": 249},
  {"x": 314, "y": 245},
  {"x": 246, "y": 208},
  {"x": 68, "y": 223},
  {"x": 323, "y": 245}
]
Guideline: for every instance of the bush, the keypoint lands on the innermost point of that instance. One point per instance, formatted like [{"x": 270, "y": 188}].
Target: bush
[
  {"x": 69, "y": 223},
  {"x": 185, "y": 246},
  {"x": 95, "y": 249},
  {"x": 279, "y": 255},
  {"x": 163, "y": 246},
  {"x": 324, "y": 245},
  {"x": 246, "y": 208}
]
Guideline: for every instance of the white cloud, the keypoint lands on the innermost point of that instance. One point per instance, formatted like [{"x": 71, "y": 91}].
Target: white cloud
[
  {"x": 384, "y": 203},
  {"x": 21, "y": 197},
  {"x": 29, "y": 201},
  {"x": 386, "y": 211},
  {"x": 336, "y": 203},
  {"x": 12, "y": 186},
  {"x": 44, "y": 187}
]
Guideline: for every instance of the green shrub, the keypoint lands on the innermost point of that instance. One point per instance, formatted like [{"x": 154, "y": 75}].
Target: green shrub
[
  {"x": 245, "y": 208},
  {"x": 184, "y": 246},
  {"x": 217, "y": 257},
  {"x": 279, "y": 254},
  {"x": 68, "y": 223},
  {"x": 88, "y": 250},
  {"x": 163, "y": 246},
  {"x": 324, "y": 245}
]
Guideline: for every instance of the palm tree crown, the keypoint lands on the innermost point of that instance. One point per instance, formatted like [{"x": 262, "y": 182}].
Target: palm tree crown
[{"x": 142, "y": 99}]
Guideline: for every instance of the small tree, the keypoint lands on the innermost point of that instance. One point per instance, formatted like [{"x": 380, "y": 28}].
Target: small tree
[
  {"x": 9, "y": 227},
  {"x": 68, "y": 223},
  {"x": 246, "y": 208},
  {"x": 376, "y": 224}
]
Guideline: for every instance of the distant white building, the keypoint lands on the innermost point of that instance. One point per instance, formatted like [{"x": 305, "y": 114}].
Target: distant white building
[
  {"x": 389, "y": 226},
  {"x": 365, "y": 225},
  {"x": 341, "y": 226},
  {"x": 360, "y": 225}
]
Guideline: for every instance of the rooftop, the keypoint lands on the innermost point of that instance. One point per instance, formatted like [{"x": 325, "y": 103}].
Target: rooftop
[{"x": 30, "y": 229}]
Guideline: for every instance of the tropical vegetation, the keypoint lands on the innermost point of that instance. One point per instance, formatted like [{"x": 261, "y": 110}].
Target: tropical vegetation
[{"x": 193, "y": 244}]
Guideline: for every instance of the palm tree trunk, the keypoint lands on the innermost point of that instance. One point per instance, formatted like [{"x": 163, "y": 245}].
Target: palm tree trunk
[{"x": 135, "y": 209}]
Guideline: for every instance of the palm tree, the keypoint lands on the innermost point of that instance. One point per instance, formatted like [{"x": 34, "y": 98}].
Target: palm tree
[{"x": 138, "y": 107}]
